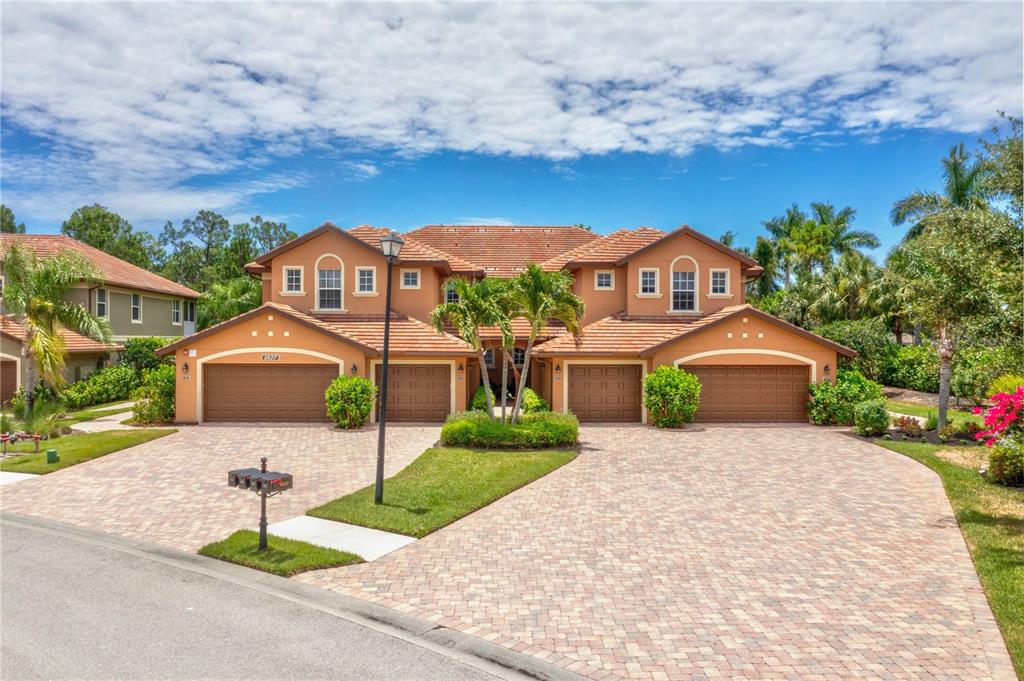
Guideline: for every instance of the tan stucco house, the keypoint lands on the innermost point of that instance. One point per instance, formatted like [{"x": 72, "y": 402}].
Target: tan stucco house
[{"x": 652, "y": 298}]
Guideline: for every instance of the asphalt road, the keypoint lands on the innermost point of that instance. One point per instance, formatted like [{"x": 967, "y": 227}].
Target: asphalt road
[{"x": 73, "y": 609}]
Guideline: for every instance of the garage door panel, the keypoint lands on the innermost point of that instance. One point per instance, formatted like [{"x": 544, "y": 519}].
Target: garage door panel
[
  {"x": 771, "y": 393},
  {"x": 272, "y": 393},
  {"x": 418, "y": 392},
  {"x": 605, "y": 392}
]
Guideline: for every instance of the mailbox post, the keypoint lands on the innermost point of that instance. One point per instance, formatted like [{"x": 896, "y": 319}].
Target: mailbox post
[{"x": 263, "y": 483}]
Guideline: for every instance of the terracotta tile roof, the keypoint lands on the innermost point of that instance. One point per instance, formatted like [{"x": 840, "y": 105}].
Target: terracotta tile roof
[
  {"x": 502, "y": 250},
  {"x": 606, "y": 250},
  {"x": 73, "y": 342},
  {"x": 750, "y": 266},
  {"x": 414, "y": 250},
  {"x": 642, "y": 336},
  {"x": 115, "y": 272},
  {"x": 408, "y": 336}
]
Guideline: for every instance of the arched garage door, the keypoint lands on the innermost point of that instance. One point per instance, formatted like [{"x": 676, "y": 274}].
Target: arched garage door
[
  {"x": 265, "y": 392},
  {"x": 752, "y": 393}
]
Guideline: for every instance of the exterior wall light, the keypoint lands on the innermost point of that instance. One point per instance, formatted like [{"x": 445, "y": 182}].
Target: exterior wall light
[
  {"x": 184, "y": 368},
  {"x": 355, "y": 369},
  {"x": 461, "y": 368},
  {"x": 828, "y": 369}
]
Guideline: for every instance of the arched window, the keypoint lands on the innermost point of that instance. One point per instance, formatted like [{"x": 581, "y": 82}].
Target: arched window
[
  {"x": 684, "y": 277},
  {"x": 329, "y": 282}
]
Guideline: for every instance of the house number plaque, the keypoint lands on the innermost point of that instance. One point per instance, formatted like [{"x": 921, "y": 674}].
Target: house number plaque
[{"x": 271, "y": 358}]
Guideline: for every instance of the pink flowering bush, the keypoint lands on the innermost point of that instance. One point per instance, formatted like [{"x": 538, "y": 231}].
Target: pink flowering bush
[{"x": 1004, "y": 419}]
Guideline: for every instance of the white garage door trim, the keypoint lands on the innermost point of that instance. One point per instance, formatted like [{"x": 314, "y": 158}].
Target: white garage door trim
[
  {"x": 778, "y": 353},
  {"x": 241, "y": 351},
  {"x": 565, "y": 379},
  {"x": 374, "y": 363}
]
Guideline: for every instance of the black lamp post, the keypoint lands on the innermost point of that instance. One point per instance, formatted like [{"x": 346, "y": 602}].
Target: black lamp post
[{"x": 391, "y": 245}]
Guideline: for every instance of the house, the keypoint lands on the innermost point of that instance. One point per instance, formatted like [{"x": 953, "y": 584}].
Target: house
[
  {"x": 652, "y": 298},
  {"x": 135, "y": 302}
]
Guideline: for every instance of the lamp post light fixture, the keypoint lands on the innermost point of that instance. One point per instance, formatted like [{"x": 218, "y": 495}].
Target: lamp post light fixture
[{"x": 391, "y": 246}]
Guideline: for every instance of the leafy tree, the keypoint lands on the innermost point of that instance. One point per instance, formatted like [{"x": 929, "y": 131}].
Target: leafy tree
[
  {"x": 782, "y": 229},
  {"x": 541, "y": 297},
  {"x": 267, "y": 235},
  {"x": 7, "y": 222},
  {"x": 728, "y": 238},
  {"x": 34, "y": 292},
  {"x": 224, "y": 300},
  {"x": 104, "y": 229},
  {"x": 842, "y": 239},
  {"x": 964, "y": 186},
  {"x": 766, "y": 254},
  {"x": 195, "y": 247},
  {"x": 1004, "y": 160},
  {"x": 846, "y": 290}
]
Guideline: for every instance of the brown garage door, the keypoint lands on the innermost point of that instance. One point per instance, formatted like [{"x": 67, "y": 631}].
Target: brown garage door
[
  {"x": 418, "y": 392},
  {"x": 259, "y": 392},
  {"x": 605, "y": 392},
  {"x": 752, "y": 393},
  {"x": 8, "y": 380}
]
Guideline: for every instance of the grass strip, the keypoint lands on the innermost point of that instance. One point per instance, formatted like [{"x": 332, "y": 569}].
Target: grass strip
[
  {"x": 75, "y": 449},
  {"x": 284, "y": 557}
]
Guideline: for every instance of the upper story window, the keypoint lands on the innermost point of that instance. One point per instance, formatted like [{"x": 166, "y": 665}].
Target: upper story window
[
  {"x": 293, "y": 280},
  {"x": 604, "y": 280},
  {"x": 489, "y": 358},
  {"x": 450, "y": 295},
  {"x": 330, "y": 290},
  {"x": 366, "y": 279},
  {"x": 190, "y": 311},
  {"x": 719, "y": 282},
  {"x": 518, "y": 356},
  {"x": 176, "y": 312},
  {"x": 410, "y": 278},
  {"x": 648, "y": 282},
  {"x": 101, "y": 302},
  {"x": 684, "y": 298},
  {"x": 136, "y": 308}
]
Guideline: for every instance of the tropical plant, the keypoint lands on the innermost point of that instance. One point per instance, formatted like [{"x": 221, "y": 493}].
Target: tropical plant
[
  {"x": 833, "y": 403},
  {"x": 34, "y": 292},
  {"x": 43, "y": 418},
  {"x": 542, "y": 297},
  {"x": 472, "y": 308},
  {"x": 842, "y": 239},
  {"x": 1007, "y": 383},
  {"x": 1005, "y": 418},
  {"x": 671, "y": 396},
  {"x": 845, "y": 290},
  {"x": 908, "y": 425},
  {"x": 534, "y": 403},
  {"x": 228, "y": 299},
  {"x": 782, "y": 230},
  {"x": 869, "y": 337},
  {"x": 103, "y": 385},
  {"x": 140, "y": 353},
  {"x": 350, "y": 400},
  {"x": 154, "y": 399},
  {"x": 976, "y": 368},
  {"x": 871, "y": 417},
  {"x": 963, "y": 188},
  {"x": 481, "y": 399}
]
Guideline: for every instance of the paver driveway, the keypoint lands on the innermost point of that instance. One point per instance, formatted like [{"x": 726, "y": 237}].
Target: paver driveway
[
  {"x": 173, "y": 491},
  {"x": 788, "y": 552}
]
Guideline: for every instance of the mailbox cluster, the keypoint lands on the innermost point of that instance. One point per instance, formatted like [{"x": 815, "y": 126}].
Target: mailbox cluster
[{"x": 255, "y": 480}]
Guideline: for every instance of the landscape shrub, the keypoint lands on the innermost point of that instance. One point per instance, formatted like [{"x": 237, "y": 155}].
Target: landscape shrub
[
  {"x": 1007, "y": 384},
  {"x": 534, "y": 403},
  {"x": 42, "y": 392},
  {"x": 931, "y": 422},
  {"x": 154, "y": 399},
  {"x": 1005, "y": 418},
  {"x": 1006, "y": 462},
  {"x": 972, "y": 429},
  {"x": 479, "y": 401},
  {"x": 103, "y": 385},
  {"x": 871, "y": 417},
  {"x": 914, "y": 367},
  {"x": 671, "y": 397},
  {"x": 533, "y": 431},
  {"x": 833, "y": 403},
  {"x": 947, "y": 432},
  {"x": 871, "y": 339},
  {"x": 350, "y": 400},
  {"x": 974, "y": 370},
  {"x": 907, "y": 425},
  {"x": 140, "y": 353}
]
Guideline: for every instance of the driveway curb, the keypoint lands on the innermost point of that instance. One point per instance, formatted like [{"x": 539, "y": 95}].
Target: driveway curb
[{"x": 472, "y": 651}]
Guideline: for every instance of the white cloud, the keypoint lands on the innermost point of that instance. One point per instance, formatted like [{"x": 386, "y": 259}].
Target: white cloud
[{"x": 141, "y": 101}]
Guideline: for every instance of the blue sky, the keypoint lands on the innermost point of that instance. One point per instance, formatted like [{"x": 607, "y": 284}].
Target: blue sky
[{"x": 611, "y": 115}]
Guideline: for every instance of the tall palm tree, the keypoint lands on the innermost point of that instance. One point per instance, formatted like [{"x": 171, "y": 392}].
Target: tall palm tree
[
  {"x": 501, "y": 293},
  {"x": 474, "y": 306},
  {"x": 783, "y": 229},
  {"x": 844, "y": 291},
  {"x": 963, "y": 187},
  {"x": 842, "y": 238},
  {"x": 889, "y": 292},
  {"x": 34, "y": 292},
  {"x": 228, "y": 299},
  {"x": 766, "y": 254},
  {"x": 543, "y": 296}
]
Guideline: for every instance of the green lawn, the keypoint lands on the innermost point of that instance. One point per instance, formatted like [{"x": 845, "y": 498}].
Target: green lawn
[
  {"x": 283, "y": 557},
  {"x": 74, "y": 449},
  {"x": 74, "y": 417},
  {"x": 957, "y": 417},
  {"x": 991, "y": 518},
  {"x": 441, "y": 486}
]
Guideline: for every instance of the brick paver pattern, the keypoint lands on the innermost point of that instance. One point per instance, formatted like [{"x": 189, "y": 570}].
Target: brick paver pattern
[
  {"x": 718, "y": 552},
  {"x": 174, "y": 490}
]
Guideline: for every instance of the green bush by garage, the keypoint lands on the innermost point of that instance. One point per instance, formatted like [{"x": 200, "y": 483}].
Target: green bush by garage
[{"x": 671, "y": 397}]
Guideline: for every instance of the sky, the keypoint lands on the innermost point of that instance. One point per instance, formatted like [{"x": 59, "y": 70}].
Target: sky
[{"x": 606, "y": 114}]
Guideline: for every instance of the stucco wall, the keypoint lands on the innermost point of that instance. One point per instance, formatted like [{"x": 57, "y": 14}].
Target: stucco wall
[
  {"x": 600, "y": 303},
  {"x": 677, "y": 254},
  {"x": 156, "y": 315},
  {"x": 77, "y": 365}
]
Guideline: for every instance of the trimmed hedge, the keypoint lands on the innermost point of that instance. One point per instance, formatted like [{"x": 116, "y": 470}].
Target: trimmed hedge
[
  {"x": 833, "y": 403},
  {"x": 479, "y": 402},
  {"x": 534, "y": 403},
  {"x": 671, "y": 397},
  {"x": 542, "y": 430},
  {"x": 154, "y": 399},
  {"x": 103, "y": 385},
  {"x": 349, "y": 400}
]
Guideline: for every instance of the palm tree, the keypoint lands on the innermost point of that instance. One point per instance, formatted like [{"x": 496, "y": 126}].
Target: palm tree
[
  {"x": 964, "y": 187},
  {"x": 766, "y": 254},
  {"x": 474, "y": 306},
  {"x": 842, "y": 238},
  {"x": 543, "y": 296},
  {"x": 783, "y": 229},
  {"x": 229, "y": 299},
  {"x": 889, "y": 293},
  {"x": 34, "y": 292},
  {"x": 501, "y": 293},
  {"x": 844, "y": 291}
]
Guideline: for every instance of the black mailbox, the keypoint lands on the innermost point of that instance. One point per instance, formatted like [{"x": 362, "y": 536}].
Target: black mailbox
[
  {"x": 242, "y": 477},
  {"x": 266, "y": 484}
]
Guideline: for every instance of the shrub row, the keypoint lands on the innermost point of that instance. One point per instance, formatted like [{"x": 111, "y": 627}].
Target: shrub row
[
  {"x": 103, "y": 385},
  {"x": 833, "y": 404},
  {"x": 533, "y": 431}
]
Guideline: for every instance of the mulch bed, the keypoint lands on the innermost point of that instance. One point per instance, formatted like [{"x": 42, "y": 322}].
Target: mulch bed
[{"x": 927, "y": 399}]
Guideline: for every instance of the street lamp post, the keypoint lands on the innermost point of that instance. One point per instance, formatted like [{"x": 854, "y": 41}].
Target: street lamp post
[{"x": 391, "y": 245}]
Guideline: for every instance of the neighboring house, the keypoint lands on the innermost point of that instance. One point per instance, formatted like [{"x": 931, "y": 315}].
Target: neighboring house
[
  {"x": 134, "y": 301},
  {"x": 652, "y": 298}
]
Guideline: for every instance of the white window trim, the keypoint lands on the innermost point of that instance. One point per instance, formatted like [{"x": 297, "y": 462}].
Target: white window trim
[
  {"x": 173, "y": 303},
  {"x": 106, "y": 302},
  {"x": 711, "y": 283},
  {"x": 657, "y": 282},
  {"x": 284, "y": 280},
  {"x": 604, "y": 288},
  {"x": 316, "y": 284},
  {"x": 449, "y": 287},
  {"x": 131, "y": 308},
  {"x": 521, "y": 364},
  {"x": 401, "y": 278},
  {"x": 696, "y": 286},
  {"x": 489, "y": 363},
  {"x": 355, "y": 286},
  {"x": 184, "y": 311}
]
